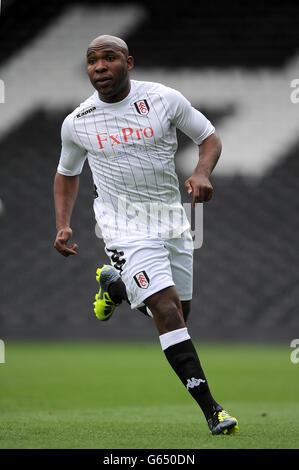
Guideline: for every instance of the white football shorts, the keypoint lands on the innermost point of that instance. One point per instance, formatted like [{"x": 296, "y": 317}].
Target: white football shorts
[{"x": 151, "y": 264}]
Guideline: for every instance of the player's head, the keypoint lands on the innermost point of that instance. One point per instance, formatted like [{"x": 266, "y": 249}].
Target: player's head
[{"x": 108, "y": 66}]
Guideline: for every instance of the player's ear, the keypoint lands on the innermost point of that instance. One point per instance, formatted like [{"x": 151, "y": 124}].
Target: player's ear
[{"x": 130, "y": 62}]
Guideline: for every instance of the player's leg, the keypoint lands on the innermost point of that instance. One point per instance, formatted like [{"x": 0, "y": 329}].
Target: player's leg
[
  {"x": 112, "y": 289},
  {"x": 123, "y": 281},
  {"x": 182, "y": 356},
  {"x": 166, "y": 308},
  {"x": 111, "y": 293},
  {"x": 186, "y": 308},
  {"x": 145, "y": 272},
  {"x": 169, "y": 314},
  {"x": 181, "y": 258}
]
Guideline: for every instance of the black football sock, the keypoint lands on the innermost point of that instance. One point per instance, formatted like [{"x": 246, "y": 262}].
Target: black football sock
[
  {"x": 184, "y": 360},
  {"x": 117, "y": 291}
]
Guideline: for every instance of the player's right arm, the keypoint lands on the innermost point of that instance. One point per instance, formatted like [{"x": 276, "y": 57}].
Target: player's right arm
[
  {"x": 65, "y": 195},
  {"x": 66, "y": 186}
]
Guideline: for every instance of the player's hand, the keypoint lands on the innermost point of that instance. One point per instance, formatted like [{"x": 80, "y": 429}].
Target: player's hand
[
  {"x": 200, "y": 186},
  {"x": 61, "y": 243}
]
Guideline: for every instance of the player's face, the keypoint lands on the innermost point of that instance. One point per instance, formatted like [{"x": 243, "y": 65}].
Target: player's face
[{"x": 108, "y": 70}]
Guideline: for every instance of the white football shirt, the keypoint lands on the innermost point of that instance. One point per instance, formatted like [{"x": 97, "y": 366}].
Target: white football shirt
[{"x": 130, "y": 147}]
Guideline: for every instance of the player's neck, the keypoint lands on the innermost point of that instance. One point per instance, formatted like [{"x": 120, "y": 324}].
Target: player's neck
[{"x": 119, "y": 96}]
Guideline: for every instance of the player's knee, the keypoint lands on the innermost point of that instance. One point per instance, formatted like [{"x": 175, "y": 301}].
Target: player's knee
[
  {"x": 167, "y": 315},
  {"x": 166, "y": 309},
  {"x": 173, "y": 318}
]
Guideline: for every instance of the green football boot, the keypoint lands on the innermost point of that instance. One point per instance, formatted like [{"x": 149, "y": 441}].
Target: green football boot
[
  {"x": 222, "y": 423},
  {"x": 103, "y": 305}
]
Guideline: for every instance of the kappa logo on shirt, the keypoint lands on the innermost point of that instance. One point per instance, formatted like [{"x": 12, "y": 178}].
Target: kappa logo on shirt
[
  {"x": 142, "y": 280},
  {"x": 86, "y": 112},
  {"x": 142, "y": 107}
]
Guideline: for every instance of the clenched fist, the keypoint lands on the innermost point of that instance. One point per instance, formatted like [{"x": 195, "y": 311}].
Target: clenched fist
[{"x": 201, "y": 187}]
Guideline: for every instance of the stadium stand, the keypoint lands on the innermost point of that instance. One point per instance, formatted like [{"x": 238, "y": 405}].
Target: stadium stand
[{"x": 246, "y": 273}]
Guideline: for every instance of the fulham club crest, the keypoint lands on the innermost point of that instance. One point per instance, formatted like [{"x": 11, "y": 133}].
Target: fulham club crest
[
  {"x": 142, "y": 280},
  {"x": 142, "y": 107}
]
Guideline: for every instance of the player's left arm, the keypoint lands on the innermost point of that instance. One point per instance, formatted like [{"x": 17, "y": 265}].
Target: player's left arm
[
  {"x": 196, "y": 126},
  {"x": 199, "y": 182}
]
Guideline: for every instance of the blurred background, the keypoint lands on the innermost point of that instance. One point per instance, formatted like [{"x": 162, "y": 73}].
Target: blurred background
[{"x": 235, "y": 61}]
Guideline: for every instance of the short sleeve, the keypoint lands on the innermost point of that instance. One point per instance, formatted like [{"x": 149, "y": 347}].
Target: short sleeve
[
  {"x": 72, "y": 156},
  {"x": 188, "y": 119}
]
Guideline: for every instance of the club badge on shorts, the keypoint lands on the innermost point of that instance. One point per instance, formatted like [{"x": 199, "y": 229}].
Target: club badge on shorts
[
  {"x": 142, "y": 107},
  {"x": 142, "y": 280}
]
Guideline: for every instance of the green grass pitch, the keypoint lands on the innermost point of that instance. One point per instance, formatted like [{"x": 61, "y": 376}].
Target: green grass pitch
[{"x": 125, "y": 396}]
